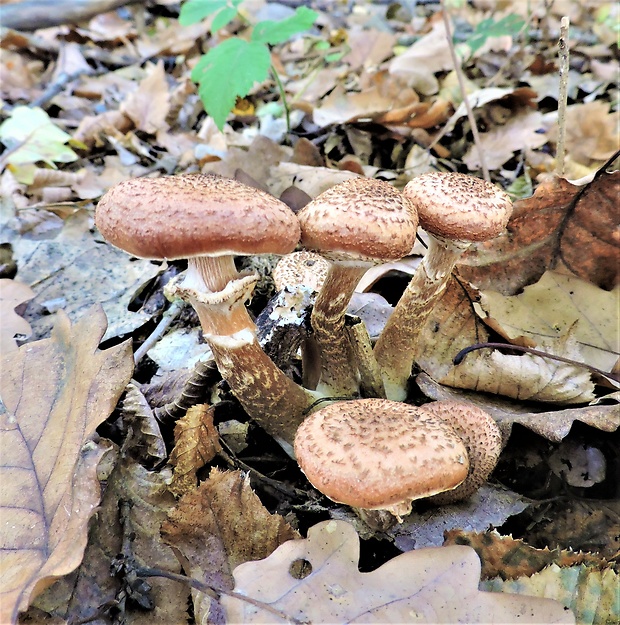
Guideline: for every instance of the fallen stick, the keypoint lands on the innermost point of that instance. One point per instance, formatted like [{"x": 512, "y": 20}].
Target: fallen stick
[{"x": 30, "y": 15}]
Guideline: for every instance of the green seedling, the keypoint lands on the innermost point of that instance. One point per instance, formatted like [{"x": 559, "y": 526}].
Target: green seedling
[
  {"x": 511, "y": 25},
  {"x": 229, "y": 70}
]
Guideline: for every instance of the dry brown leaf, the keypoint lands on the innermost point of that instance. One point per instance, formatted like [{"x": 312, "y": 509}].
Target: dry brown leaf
[
  {"x": 553, "y": 425},
  {"x": 56, "y": 392},
  {"x": 12, "y": 294},
  {"x": 554, "y": 305},
  {"x": 218, "y": 526},
  {"x": 453, "y": 325},
  {"x": 196, "y": 444},
  {"x": 561, "y": 221},
  {"x": 433, "y": 585},
  {"x": 149, "y": 104},
  {"x": 509, "y": 558},
  {"x": 500, "y": 143},
  {"x": 591, "y": 594}
]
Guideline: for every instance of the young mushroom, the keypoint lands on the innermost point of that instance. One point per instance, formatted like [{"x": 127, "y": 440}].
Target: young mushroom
[
  {"x": 377, "y": 454},
  {"x": 207, "y": 220},
  {"x": 354, "y": 225},
  {"x": 455, "y": 210}
]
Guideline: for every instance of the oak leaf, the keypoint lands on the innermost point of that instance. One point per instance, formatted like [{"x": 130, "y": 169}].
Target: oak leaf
[
  {"x": 432, "y": 585},
  {"x": 56, "y": 392}
]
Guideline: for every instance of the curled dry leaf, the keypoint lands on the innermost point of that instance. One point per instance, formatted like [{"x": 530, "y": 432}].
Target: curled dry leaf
[
  {"x": 561, "y": 221},
  {"x": 196, "y": 444},
  {"x": 453, "y": 325},
  {"x": 552, "y": 306},
  {"x": 56, "y": 392},
  {"x": 218, "y": 526},
  {"x": 12, "y": 294},
  {"x": 433, "y": 585}
]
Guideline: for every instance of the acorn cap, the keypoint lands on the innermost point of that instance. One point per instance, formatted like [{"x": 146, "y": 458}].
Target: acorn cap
[
  {"x": 459, "y": 207},
  {"x": 361, "y": 218},
  {"x": 174, "y": 217},
  {"x": 305, "y": 268},
  {"x": 482, "y": 438},
  {"x": 379, "y": 454}
]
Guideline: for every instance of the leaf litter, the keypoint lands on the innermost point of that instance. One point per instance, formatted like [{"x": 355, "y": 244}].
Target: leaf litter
[{"x": 373, "y": 93}]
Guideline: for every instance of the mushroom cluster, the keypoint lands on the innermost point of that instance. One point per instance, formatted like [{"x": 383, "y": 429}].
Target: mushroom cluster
[{"x": 393, "y": 451}]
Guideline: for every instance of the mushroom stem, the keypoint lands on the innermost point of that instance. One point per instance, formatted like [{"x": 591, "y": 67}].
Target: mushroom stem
[
  {"x": 215, "y": 271},
  {"x": 339, "y": 374},
  {"x": 396, "y": 348},
  {"x": 272, "y": 399}
]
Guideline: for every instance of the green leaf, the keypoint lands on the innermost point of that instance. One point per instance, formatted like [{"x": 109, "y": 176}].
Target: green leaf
[
  {"x": 509, "y": 25},
  {"x": 194, "y": 11},
  {"x": 32, "y": 137},
  {"x": 272, "y": 32},
  {"x": 227, "y": 72},
  {"x": 224, "y": 17}
]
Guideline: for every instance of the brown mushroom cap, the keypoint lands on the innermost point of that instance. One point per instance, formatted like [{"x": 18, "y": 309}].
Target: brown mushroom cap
[
  {"x": 360, "y": 218},
  {"x": 377, "y": 454},
  {"x": 192, "y": 215},
  {"x": 459, "y": 207},
  {"x": 482, "y": 438},
  {"x": 305, "y": 268}
]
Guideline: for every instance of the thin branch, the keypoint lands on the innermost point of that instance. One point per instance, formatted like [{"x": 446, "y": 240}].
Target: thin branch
[
  {"x": 560, "y": 154},
  {"x": 459, "y": 74}
]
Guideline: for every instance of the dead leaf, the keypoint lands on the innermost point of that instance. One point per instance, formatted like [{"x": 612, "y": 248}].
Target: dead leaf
[
  {"x": 218, "y": 526},
  {"x": 72, "y": 271},
  {"x": 561, "y": 221},
  {"x": 12, "y": 294},
  {"x": 554, "y": 305},
  {"x": 50, "y": 489},
  {"x": 431, "y": 585},
  {"x": 196, "y": 444},
  {"x": 509, "y": 558},
  {"x": 591, "y": 594},
  {"x": 149, "y": 104},
  {"x": 554, "y": 425},
  {"x": 502, "y": 141}
]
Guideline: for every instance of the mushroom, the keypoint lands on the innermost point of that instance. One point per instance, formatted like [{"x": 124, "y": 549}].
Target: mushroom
[
  {"x": 482, "y": 438},
  {"x": 301, "y": 268},
  {"x": 377, "y": 454},
  {"x": 455, "y": 210},
  {"x": 355, "y": 224},
  {"x": 207, "y": 219}
]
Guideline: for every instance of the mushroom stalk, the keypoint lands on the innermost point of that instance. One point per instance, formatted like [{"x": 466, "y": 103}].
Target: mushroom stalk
[
  {"x": 396, "y": 348},
  {"x": 271, "y": 398},
  {"x": 339, "y": 373}
]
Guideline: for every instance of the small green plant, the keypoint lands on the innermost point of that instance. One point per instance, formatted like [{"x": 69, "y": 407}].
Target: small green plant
[
  {"x": 511, "y": 25},
  {"x": 228, "y": 71}
]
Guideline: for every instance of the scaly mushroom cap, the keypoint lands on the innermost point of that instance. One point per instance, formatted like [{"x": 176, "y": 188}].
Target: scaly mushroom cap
[
  {"x": 360, "y": 218},
  {"x": 305, "y": 268},
  {"x": 482, "y": 438},
  {"x": 379, "y": 454},
  {"x": 184, "y": 216},
  {"x": 459, "y": 207}
]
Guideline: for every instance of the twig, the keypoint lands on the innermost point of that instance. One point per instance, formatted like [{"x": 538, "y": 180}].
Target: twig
[
  {"x": 459, "y": 74},
  {"x": 167, "y": 318},
  {"x": 214, "y": 592},
  {"x": 562, "y": 96}
]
